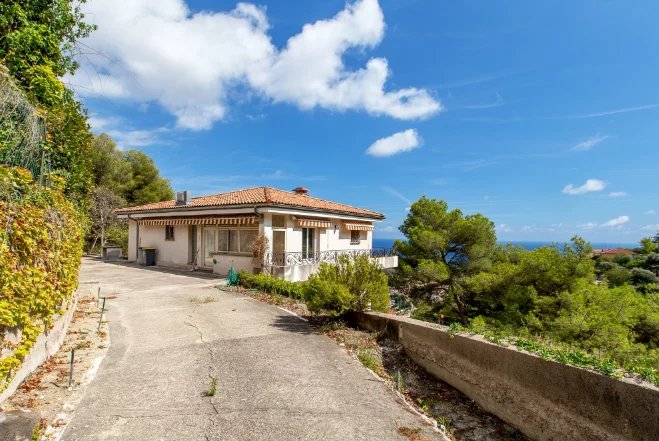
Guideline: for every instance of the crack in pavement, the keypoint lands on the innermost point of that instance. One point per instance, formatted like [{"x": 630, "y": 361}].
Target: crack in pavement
[{"x": 211, "y": 354}]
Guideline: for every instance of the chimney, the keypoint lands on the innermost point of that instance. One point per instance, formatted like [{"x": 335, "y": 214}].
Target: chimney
[
  {"x": 183, "y": 198},
  {"x": 301, "y": 190}
]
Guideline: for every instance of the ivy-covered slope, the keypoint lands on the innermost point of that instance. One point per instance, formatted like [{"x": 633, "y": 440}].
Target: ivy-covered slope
[{"x": 41, "y": 234}]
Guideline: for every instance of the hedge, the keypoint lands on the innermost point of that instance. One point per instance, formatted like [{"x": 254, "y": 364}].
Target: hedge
[
  {"x": 273, "y": 285},
  {"x": 41, "y": 236}
]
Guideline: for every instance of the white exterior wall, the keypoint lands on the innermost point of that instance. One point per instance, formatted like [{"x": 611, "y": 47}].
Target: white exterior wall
[
  {"x": 224, "y": 262},
  {"x": 333, "y": 238},
  {"x": 338, "y": 238},
  {"x": 177, "y": 252},
  {"x": 169, "y": 252}
]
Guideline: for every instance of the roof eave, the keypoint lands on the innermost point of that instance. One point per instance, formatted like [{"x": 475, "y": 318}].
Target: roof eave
[{"x": 376, "y": 216}]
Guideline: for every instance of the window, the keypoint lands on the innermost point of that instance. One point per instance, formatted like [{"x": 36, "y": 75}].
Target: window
[
  {"x": 169, "y": 232},
  {"x": 223, "y": 240},
  {"x": 308, "y": 242},
  {"x": 354, "y": 237},
  {"x": 246, "y": 239},
  {"x": 234, "y": 242},
  {"x": 278, "y": 221}
]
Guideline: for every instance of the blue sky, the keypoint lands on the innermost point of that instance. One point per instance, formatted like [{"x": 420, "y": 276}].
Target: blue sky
[{"x": 543, "y": 117}]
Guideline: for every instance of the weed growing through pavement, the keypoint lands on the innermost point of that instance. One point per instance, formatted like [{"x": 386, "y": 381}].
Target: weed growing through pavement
[{"x": 213, "y": 389}]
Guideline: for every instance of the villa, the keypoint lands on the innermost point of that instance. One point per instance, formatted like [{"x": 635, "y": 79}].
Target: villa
[{"x": 217, "y": 232}]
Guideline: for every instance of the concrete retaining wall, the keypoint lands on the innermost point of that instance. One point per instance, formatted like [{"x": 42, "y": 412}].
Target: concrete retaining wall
[
  {"x": 544, "y": 399},
  {"x": 47, "y": 344}
]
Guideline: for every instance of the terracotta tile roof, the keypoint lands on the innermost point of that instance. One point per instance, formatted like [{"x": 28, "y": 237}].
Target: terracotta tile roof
[{"x": 253, "y": 196}]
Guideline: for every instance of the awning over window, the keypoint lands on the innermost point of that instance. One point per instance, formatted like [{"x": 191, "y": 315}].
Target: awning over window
[
  {"x": 312, "y": 223},
  {"x": 216, "y": 220},
  {"x": 354, "y": 226}
]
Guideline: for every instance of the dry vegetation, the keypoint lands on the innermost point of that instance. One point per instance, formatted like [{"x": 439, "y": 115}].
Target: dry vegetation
[{"x": 47, "y": 390}]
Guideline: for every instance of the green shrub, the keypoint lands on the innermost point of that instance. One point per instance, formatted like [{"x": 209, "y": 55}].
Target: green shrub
[
  {"x": 622, "y": 259},
  {"x": 618, "y": 276},
  {"x": 327, "y": 295},
  {"x": 641, "y": 276},
  {"x": 365, "y": 280},
  {"x": 426, "y": 312},
  {"x": 270, "y": 284}
]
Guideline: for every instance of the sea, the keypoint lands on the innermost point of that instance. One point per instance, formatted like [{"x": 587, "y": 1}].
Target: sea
[{"x": 388, "y": 243}]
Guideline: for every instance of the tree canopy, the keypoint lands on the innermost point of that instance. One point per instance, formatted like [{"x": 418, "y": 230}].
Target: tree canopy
[
  {"x": 37, "y": 48},
  {"x": 131, "y": 175},
  {"x": 39, "y": 37},
  {"x": 453, "y": 270},
  {"x": 444, "y": 248}
]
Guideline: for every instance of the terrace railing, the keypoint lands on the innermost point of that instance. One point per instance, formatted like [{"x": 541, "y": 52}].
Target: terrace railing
[{"x": 330, "y": 256}]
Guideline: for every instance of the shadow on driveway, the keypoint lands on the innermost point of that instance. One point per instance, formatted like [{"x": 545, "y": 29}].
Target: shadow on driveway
[{"x": 291, "y": 323}]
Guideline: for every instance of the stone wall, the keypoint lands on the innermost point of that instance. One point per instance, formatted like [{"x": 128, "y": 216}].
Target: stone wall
[
  {"x": 546, "y": 400},
  {"x": 47, "y": 344}
]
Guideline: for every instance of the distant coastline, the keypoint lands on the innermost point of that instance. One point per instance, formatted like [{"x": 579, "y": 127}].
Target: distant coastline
[{"x": 528, "y": 245}]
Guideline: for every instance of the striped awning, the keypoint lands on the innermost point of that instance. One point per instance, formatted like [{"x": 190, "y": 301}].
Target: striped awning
[
  {"x": 215, "y": 220},
  {"x": 354, "y": 226},
  {"x": 313, "y": 223}
]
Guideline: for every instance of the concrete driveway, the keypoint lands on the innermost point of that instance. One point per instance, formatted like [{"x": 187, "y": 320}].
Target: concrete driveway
[{"x": 276, "y": 378}]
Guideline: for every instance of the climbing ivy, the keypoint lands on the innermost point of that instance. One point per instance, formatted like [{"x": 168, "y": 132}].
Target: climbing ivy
[{"x": 41, "y": 234}]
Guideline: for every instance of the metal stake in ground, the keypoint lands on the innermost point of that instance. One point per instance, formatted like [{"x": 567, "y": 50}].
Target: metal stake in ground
[
  {"x": 100, "y": 320},
  {"x": 98, "y": 296},
  {"x": 73, "y": 351}
]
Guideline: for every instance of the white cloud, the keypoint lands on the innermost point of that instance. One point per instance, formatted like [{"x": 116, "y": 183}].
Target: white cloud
[
  {"x": 192, "y": 63},
  {"x": 650, "y": 212},
  {"x": 587, "y": 226},
  {"x": 617, "y": 222},
  {"x": 617, "y": 194},
  {"x": 616, "y": 111},
  {"x": 503, "y": 228},
  {"x": 123, "y": 135},
  {"x": 99, "y": 123},
  {"x": 654, "y": 227},
  {"x": 589, "y": 186},
  {"x": 589, "y": 143},
  {"x": 397, "y": 143},
  {"x": 386, "y": 229},
  {"x": 397, "y": 194},
  {"x": 135, "y": 138}
]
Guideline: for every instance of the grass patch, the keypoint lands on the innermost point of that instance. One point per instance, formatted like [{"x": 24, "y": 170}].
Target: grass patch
[
  {"x": 212, "y": 390},
  {"x": 371, "y": 360},
  {"x": 199, "y": 300}
]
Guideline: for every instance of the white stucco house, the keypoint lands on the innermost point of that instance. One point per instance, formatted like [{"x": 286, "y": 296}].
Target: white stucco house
[{"x": 216, "y": 232}]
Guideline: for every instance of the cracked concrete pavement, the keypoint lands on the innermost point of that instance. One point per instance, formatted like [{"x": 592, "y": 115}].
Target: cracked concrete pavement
[{"x": 277, "y": 379}]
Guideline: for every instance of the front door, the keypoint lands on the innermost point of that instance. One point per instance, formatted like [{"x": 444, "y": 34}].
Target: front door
[
  {"x": 278, "y": 247},
  {"x": 209, "y": 246},
  {"x": 308, "y": 243}
]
